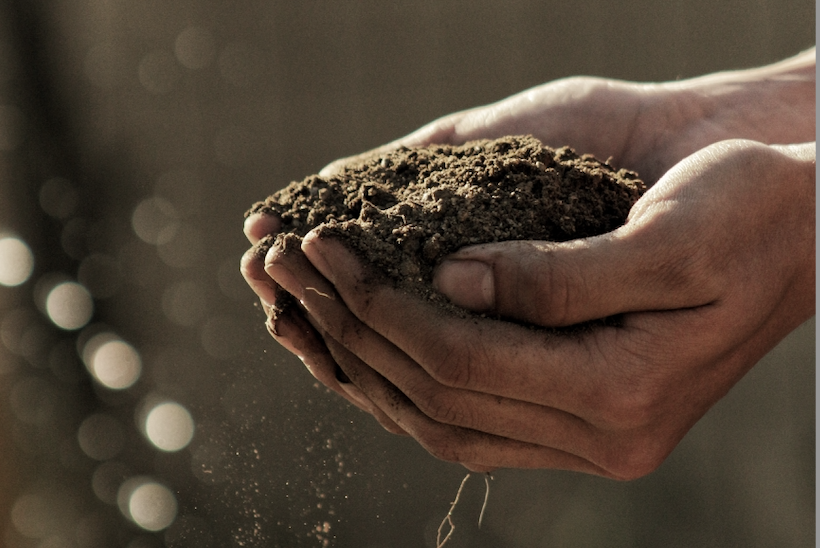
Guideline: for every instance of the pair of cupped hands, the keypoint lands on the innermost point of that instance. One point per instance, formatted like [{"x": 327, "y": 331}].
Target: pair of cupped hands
[{"x": 714, "y": 266}]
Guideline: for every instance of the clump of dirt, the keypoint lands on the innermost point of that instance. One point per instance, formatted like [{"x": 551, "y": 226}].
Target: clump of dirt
[{"x": 404, "y": 211}]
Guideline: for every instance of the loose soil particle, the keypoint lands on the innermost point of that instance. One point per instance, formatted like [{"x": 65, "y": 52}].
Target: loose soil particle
[{"x": 404, "y": 211}]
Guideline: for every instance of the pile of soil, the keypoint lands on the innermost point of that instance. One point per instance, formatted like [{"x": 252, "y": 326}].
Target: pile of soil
[{"x": 404, "y": 211}]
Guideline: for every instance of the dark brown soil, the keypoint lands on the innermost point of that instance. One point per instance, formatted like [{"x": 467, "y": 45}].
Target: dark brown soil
[{"x": 404, "y": 211}]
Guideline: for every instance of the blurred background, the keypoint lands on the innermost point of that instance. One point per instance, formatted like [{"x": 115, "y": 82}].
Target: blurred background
[{"x": 143, "y": 404}]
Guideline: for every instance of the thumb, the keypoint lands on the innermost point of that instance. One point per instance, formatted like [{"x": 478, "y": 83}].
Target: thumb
[{"x": 559, "y": 284}]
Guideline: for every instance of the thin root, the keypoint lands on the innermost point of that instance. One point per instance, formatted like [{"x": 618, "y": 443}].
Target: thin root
[
  {"x": 487, "y": 478},
  {"x": 448, "y": 519},
  {"x": 325, "y": 295}
]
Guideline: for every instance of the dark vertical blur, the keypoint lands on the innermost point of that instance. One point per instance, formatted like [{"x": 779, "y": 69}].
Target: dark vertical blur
[{"x": 142, "y": 404}]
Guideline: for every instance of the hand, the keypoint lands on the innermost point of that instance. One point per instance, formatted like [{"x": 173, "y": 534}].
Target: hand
[{"x": 714, "y": 266}]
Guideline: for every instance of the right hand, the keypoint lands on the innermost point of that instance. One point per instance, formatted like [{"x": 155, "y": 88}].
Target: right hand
[{"x": 644, "y": 127}]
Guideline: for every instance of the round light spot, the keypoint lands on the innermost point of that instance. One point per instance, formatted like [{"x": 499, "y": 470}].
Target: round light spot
[
  {"x": 158, "y": 72},
  {"x": 115, "y": 364},
  {"x": 101, "y": 436},
  {"x": 16, "y": 261},
  {"x": 152, "y": 506},
  {"x": 58, "y": 198},
  {"x": 169, "y": 426},
  {"x": 31, "y": 516},
  {"x": 91, "y": 340},
  {"x": 155, "y": 221},
  {"x": 69, "y": 305},
  {"x": 194, "y": 48}
]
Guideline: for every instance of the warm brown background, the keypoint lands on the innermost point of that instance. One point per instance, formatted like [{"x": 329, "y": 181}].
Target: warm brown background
[{"x": 120, "y": 99}]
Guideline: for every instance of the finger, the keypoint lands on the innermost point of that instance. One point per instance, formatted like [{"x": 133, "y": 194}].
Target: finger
[
  {"x": 504, "y": 417},
  {"x": 297, "y": 332},
  {"x": 641, "y": 266},
  {"x": 252, "y": 267},
  {"x": 260, "y": 224},
  {"x": 291, "y": 329},
  {"x": 480, "y": 354},
  {"x": 453, "y": 443},
  {"x": 616, "y": 401}
]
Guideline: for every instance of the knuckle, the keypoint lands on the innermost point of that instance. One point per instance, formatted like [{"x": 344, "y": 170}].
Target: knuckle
[
  {"x": 689, "y": 271},
  {"x": 451, "y": 362},
  {"x": 626, "y": 405},
  {"x": 634, "y": 409},
  {"x": 557, "y": 290},
  {"x": 635, "y": 459},
  {"x": 440, "y": 406}
]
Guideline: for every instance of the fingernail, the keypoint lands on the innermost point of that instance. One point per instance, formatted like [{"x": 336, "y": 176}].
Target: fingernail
[
  {"x": 312, "y": 250},
  {"x": 466, "y": 283}
]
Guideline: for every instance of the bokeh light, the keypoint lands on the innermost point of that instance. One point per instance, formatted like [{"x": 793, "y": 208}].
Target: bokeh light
[
  {"x": 155, "y": 221},
  {"x": 16, "y": 261},
  {"x": 195, "y": 48},
  {"x": 147, "y": 503},
  {"x": 31, "y": 515},
  {"x": 43, "y": 512},
  {"x": 58, "y": 198},
  {"x": 169, "y": 426},
  {"x": 111, "y": 361},
  {"x": 69, "y": 305}
]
